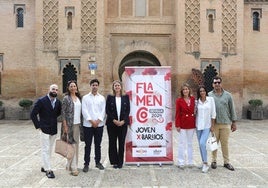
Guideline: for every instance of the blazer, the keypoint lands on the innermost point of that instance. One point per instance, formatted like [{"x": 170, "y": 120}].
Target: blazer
[
  {"x": 111, "y": 110},
  {"x": 44, "y": 116},
  {"x": 185, "y": 115}
]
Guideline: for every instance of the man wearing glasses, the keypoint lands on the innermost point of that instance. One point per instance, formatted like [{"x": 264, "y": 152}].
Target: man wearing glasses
[{"x": 225, "y": 120}]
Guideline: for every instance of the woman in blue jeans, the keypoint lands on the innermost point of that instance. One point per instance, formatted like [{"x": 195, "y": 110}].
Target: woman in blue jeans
[{"x": 205, "y": 120}]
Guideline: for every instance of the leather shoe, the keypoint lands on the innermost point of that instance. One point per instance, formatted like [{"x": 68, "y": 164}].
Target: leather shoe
[
  {"x": 43, "y": 170},
  {"x": 99, "y": 166},
  {"x": 213, "y": 165},
  {"x": 115, "y": 166},
  {"x": 85, "y": 169},
  {"x": 50, "y": 174},
  {"x": 229, "y": 166}
]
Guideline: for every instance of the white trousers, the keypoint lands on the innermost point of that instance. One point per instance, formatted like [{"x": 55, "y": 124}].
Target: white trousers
[
  {"x": 47, "y": 144},
  {"x": 185, "y": 146}
]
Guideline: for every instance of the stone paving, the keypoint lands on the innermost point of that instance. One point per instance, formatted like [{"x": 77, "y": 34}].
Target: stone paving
[{"x": 20, "y": 163}]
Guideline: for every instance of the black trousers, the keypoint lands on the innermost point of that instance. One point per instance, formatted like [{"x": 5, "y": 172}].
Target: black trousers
[
  {"x": 89, "y": 133},
  {"x": 116, "y": 153}
]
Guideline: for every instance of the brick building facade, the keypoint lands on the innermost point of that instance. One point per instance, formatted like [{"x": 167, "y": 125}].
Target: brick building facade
[{"x": 52, "y": 41}]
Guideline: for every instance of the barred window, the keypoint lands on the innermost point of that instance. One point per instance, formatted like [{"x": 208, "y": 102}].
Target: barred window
[
  {"x": 20, "y": 12},
  {"x": 256, "y": 21}
]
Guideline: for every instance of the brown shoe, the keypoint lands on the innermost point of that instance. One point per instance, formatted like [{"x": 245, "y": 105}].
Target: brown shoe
[
  {"x": 75, "y": 173},
  {"x": 229, "y": 166}
]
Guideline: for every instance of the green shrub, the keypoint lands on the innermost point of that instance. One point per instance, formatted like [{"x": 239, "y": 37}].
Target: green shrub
[
  {"x": 255, "y": 102},
  {"x": 25, "y": 103}
]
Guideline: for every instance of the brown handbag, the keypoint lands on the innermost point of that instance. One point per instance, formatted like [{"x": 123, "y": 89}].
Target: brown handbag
[{"x": 64, "y": 149}]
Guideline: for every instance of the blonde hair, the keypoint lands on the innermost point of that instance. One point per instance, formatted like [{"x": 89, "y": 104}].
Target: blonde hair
[
  {"x": 119, "y": 82},
  {"x": 188, "y": 86}
]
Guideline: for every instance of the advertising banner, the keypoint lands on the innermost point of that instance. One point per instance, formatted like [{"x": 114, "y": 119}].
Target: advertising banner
[{"x": 149, "y": 137}]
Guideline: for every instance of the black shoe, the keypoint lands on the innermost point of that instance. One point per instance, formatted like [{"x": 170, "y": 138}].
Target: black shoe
[
  {"x": 43, "y": 170},
  {"x": 50, "y": 174},
  {"x": 115, "y": 166},
  {"x": 85, "y": 169},
  {"x": 213, "y": 165},
  {"x": 120, "y": 166},
  {"x": 229, "y": 166},
  {"x": 99, "y": 166}
]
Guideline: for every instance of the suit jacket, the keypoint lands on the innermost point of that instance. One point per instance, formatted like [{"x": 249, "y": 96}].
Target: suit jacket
[
  {"x": 111, "y": 110},
  {"x": 185, "y": 115},
  {"x": 44, "y": 116}
]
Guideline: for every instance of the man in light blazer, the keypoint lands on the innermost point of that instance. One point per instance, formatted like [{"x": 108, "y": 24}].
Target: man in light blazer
[{"x": 44, "y": 116}]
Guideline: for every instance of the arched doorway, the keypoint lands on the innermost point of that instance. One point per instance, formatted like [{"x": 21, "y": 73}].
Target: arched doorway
[
  {"x": 137, "y": 58},
  {"x": 69, "y": 73}
]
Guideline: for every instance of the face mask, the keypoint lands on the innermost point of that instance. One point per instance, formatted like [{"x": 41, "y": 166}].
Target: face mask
[{"x": 51, "y": 94}]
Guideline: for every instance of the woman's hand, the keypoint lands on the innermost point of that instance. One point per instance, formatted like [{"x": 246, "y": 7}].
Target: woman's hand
[{"x": 178, "y": 129}]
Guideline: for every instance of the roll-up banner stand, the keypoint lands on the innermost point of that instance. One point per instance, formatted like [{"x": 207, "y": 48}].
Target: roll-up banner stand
[{"x": 149, "y": 136}]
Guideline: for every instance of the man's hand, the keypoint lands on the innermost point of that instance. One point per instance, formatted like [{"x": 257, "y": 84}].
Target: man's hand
[{"x": 233, "y": 127}]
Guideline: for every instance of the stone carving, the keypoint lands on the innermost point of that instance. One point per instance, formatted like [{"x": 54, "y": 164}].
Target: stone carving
[
  {"x": 50, "y": 24},
  {"x": 192, "y": 26},
  {"x": 88, "y": 24},
  {"x": 229, "y": 27}
]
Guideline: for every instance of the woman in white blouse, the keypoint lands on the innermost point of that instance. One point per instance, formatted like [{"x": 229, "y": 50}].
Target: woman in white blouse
[
  {"x": 205, "y": 120},
  {"x": 71, "y": 120}
]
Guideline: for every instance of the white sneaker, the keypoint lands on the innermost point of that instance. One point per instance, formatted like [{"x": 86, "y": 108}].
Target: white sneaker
[{"x": 205, "y": 168}]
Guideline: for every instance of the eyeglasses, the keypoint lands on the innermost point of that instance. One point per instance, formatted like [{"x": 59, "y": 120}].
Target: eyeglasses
[{"x": 217, "y": 82}]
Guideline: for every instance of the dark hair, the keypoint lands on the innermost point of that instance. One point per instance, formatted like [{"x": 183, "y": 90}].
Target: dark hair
[
  {"x": 93, "y": 81},
  {"x": 67, "y": 88},
  {"x": 198, "y": 91},
  {"x": 217, "y": 78}
]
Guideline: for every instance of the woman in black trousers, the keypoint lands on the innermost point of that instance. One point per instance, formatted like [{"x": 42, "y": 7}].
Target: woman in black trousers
[{"x": 117, "y": 110}]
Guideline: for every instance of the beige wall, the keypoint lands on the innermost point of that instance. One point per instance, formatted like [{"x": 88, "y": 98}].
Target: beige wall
[{"x": 28, "y": 69}]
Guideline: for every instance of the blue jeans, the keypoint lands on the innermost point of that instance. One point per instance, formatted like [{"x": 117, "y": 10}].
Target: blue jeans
[
  {"x": 89, "y": 133},
  {"x": 202, "y": 136}
]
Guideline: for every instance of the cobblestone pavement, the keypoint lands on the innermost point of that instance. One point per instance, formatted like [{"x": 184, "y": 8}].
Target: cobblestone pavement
[{"x": 20, "y": 163}]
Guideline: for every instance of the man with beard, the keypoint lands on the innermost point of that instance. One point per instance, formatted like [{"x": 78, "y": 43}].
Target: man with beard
[{"x": 44, "y": 116}]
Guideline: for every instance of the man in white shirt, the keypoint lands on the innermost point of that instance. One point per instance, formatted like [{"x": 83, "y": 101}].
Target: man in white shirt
[{"x": 93, "y": 110}]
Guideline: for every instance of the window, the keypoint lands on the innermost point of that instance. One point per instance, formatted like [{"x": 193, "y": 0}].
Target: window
[
  {"x": 256, "y": 15},
  {"x": 211, "y": 15},
  {"x": 210, "y": 23},
  {"x": 256, "y": 21},
  {"x": 69, "y": 20},
  {"x": 20, "y": 17},
  {"x": 69, "y": 14}
]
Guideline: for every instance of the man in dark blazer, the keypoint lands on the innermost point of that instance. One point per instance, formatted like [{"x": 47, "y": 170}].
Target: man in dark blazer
[{"x": 44, "y": 116}]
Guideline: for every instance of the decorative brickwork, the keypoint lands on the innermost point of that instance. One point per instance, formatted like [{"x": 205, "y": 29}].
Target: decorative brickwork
[
  {"x": 88, "y": 24},
  {"x": 192, "y": 26},
  {"x": 50, "y": 24},
  {"x": 229, "y": 27}
]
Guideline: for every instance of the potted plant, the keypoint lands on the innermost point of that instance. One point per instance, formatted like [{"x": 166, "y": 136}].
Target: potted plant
[
  {"x": 2, "y": 110},
  {"x": 255, "y": 110},
  {"x": 25, "y": 112}
]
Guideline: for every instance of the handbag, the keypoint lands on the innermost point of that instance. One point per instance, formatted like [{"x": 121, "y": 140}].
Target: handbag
[
  {"x": 212, "y": 144},
  {"x": 64, "y": 149}
]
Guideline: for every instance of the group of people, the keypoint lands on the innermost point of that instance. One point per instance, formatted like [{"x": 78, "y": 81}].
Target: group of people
[
  {"x": 85, "y": 114},
  {"x": 210, "y": 112}
]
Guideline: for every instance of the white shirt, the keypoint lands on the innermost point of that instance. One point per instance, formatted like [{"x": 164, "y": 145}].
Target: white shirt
[
  {"x": 77, "y": 111},
  {"x": 93, "y": 108},
  {"x": 205, "y": 112},
  {"x": 118, "y": 106}
]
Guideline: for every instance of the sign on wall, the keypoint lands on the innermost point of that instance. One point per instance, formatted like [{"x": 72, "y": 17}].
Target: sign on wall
[{"x": 149, "y": 137}]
